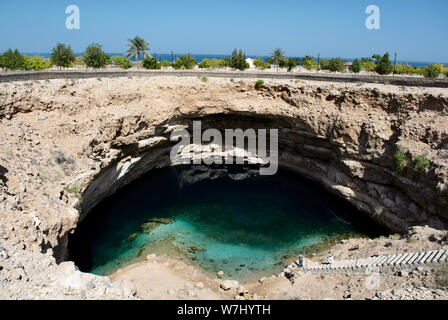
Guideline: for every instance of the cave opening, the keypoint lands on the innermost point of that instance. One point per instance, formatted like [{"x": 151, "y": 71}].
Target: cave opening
[{"x": 220, "y": 218}]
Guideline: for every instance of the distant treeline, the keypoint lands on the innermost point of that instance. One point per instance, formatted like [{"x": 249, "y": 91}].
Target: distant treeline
[{"x": 62, "y": 56}]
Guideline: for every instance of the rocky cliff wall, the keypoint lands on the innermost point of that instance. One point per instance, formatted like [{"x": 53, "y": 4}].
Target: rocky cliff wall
[{"x": 68, "y": 144}]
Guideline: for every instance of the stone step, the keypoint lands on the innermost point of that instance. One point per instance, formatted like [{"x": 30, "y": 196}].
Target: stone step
[
  {"x": 419, "y": 257},
  {"x": 431, "y": 257},
  {"x": 438, "y": 255},
  {"x": 425, "y": 257},
  {"x": 414, "y": 258},
  {"x": 410, "y": 258},
  {"x": 375, "y": 261},
  {"x": 391, "y": 262},
  {"x": 382, "y": 261},
  {"x": 404, "y": 256},
  {"x": 389, "y": 259}
]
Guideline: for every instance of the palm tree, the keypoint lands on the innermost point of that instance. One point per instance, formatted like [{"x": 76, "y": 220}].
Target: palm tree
[
  {"x": 277, "y": 55},
  {"x": 137, "y": 47}
]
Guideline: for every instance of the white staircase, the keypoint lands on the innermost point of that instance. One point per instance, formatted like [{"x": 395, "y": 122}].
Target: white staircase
[{"x": 404, "y": 261}]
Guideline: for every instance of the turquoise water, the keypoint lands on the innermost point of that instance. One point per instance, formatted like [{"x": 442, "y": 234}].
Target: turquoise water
[{"x": 247, "y": 228}]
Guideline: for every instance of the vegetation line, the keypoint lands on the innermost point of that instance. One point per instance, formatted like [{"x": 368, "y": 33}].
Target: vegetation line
[{"x": 62, "y": 56}]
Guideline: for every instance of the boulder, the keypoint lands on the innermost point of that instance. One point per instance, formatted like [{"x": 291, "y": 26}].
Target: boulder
[{"x": 229, "y": 284}]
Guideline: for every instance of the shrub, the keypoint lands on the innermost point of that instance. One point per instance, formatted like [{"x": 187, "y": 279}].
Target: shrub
[
  {"x": 220, "y": 63},
  {"x": 185, "y": 62},
  {"x": 406, "y": 69},
  {"x": 433, "y": 70},
  {"x": 291, "y": 64},
  {"x": 165, "y": 64},
  {"x": 259, "y": 63},
  {"x": 421, "y": 163},
  {"x": 400, "y": 161},
  {"x": 12, "y": 60},
  {"x": 75, "y": 192},
  {"x": 259, "y": 84},
  {"x": 368, "y": 64},
  {"x": 151, "y": 63},
  {"x": 94, "y": 57},
  {"x": 78, "y": 62},
  {"x": 205, "y": 64},
  {"x": 309, "y": 63},
  {"x": 122, "y": 62},
  {"x": 204, "y": 78},
  {"x": 333, "y": 65},
  {"x": 36, "y": 63},
  {"x": 238, "y": 60},
  {"x": 411, "y": 240},
  {"x": 213, "y": 64},
  {"x": 108, "y": 59},
  {"x": 383, "y": 64},
  {"x": 62, "y": 56},
  {"x": 356, "y": 66}
]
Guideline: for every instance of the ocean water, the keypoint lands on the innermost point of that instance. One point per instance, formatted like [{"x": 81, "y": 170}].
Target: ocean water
[
  {"x": 247, "y": 228},
  {"x": 200, "y": 57}
]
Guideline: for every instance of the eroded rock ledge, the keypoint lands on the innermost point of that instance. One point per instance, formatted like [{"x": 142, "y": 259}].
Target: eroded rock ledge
[{"x": 68, "y": 144}]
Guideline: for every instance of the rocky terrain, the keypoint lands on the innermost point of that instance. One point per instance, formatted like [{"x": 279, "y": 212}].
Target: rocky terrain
[{"x": 67, "y": 144}]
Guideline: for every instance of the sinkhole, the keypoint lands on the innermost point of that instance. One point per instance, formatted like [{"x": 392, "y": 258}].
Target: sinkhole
[{"x": 225, "y": 218}]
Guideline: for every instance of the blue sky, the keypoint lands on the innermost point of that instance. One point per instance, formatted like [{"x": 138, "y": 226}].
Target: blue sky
[{"x": 417, "y": 30}]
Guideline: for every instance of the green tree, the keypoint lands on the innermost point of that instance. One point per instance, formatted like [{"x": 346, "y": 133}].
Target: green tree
[
  {"x": 151, "y": 63},
  {"x": 334, "y": 65},
  {"x": 383, "y": 64},
  {"x": 94, "y": 57},
  {"x": 12, "y": 60},
  {"x": 122, "y": 62},
  {"x": 62, "y": 56},
  {"x": 291, "y": 64},
  {"x": 356, "y": 66},
  {"x": 277, "y": 56},
  {"x": 259, "y": 84},
  {"x": 238, "y": 60},
  {"x": 137, "y": 47}
]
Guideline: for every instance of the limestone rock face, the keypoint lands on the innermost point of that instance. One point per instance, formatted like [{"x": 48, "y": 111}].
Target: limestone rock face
[{"x": 66, "y": 145}]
